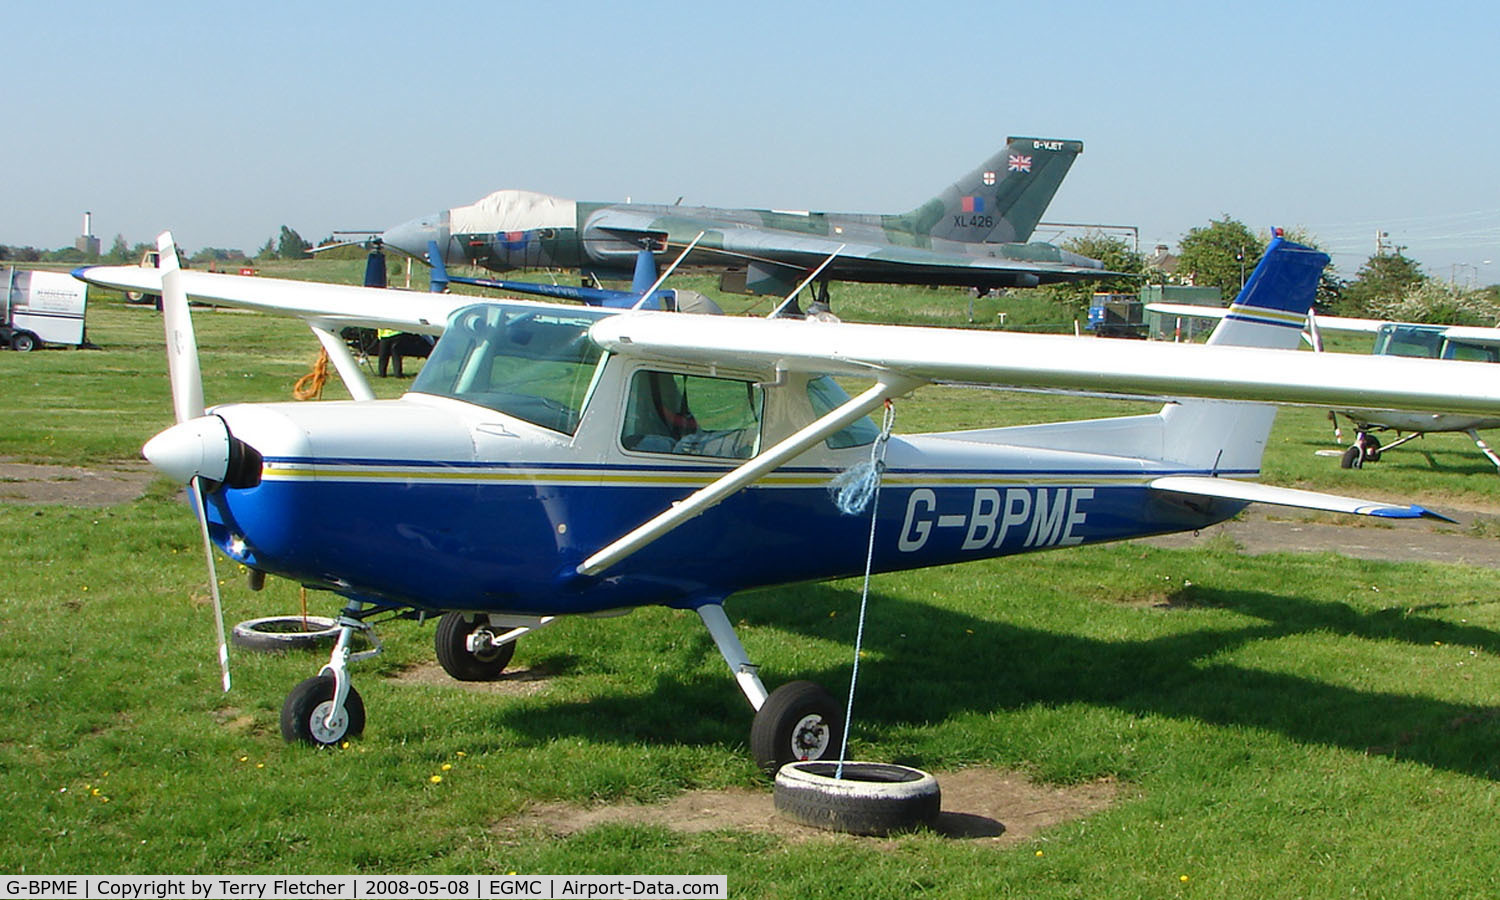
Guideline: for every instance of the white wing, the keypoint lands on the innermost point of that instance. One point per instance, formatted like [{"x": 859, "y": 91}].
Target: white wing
[
  {"x": 1053, "y": 361},
  {"x": 335, "y": 304}
]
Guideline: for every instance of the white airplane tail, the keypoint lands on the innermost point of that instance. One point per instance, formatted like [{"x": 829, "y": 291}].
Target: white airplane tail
[{"x": 1271, "y": 309}]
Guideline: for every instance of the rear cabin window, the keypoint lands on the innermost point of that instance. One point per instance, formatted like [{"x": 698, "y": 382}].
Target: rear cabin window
[
  {"x": 826, "y": 395},
  {"x": 535, "y": 365},
  {"x": 692, "y": 415}
]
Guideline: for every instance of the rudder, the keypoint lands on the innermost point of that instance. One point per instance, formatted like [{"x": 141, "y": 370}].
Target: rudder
[{"x": 1001, "y": 200}]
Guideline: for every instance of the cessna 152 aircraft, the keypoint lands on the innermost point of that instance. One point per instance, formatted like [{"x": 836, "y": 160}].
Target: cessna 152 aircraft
[
  {"x": 972, "y": 234},
  {"x": 1411, "y": 339},
  {"x": 554, "y": 460}
]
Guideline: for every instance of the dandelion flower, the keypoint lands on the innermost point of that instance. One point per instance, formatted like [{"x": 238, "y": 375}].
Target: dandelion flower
[
  {"x": 447, "y": 766},
  {"x": 436, "y": 779}
]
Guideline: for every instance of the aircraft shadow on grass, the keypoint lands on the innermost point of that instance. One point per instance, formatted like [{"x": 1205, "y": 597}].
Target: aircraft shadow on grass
[{"x": 928, "y": 664}]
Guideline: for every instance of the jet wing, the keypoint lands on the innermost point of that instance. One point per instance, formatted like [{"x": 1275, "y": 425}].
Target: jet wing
[
  {"x": 861, "y": 260},
  {"x": 1064, "y": 362},
  {"x": 331, "y": 304}
]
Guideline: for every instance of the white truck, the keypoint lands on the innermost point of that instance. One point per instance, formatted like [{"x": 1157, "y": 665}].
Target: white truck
[{"x": 40, "y": 307}]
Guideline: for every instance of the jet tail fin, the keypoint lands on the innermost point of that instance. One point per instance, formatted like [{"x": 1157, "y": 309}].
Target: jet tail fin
[{"x": 1000, "y": 201}]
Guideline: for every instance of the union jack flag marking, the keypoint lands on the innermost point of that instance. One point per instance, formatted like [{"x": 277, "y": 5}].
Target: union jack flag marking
[{"x": 1019, "y": 163}]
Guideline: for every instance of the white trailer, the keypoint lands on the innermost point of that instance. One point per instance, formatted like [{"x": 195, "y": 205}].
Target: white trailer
[{"x": 41, "y": 307}]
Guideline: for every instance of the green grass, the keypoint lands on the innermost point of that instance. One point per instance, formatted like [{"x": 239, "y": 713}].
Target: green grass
[{"x": 1279, "y": 726}]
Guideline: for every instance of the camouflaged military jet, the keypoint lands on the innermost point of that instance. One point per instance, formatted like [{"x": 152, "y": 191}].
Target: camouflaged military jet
[{"x": 972, "y": 234}]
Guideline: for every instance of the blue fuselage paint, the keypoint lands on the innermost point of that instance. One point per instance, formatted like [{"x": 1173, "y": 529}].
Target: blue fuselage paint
[{"x": 513, "y": 544}]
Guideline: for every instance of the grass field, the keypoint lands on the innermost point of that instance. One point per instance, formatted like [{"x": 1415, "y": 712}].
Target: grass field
[{"x": 1276, "y": 726}]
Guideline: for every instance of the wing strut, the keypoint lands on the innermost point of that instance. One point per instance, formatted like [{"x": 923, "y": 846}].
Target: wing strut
[
  {"x": 343, "y": 360},
  {"x": 889, "y": 385}
]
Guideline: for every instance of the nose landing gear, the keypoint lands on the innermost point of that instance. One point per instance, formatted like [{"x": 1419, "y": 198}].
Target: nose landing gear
[{"x": 326, "y": 709}]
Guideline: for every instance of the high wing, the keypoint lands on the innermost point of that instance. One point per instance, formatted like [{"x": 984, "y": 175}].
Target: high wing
[
  {"x": 855, "y": 259},
  {"x": 333, "y": 305},
  {"x": 1054, "y": 361}
]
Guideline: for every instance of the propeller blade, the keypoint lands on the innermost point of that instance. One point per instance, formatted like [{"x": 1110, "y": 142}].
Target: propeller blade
[
  {"x": 201, "y": 508},
  {"x": 187, "y": 403},
  {"x": 182, "y": 344}
]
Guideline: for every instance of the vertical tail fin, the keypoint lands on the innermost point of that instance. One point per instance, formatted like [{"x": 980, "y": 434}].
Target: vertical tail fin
[
  {"x": 1000, "y": 201},
  {"x": 1269, "y": 312},
  {"x": 1271, "y": 309}
]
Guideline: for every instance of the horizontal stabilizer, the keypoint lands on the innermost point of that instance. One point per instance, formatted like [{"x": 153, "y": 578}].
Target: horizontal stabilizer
[{"x": 1230, "y": 489}]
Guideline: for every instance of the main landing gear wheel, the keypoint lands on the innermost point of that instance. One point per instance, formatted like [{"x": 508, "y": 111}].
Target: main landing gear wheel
[
  {"x": 866, "y": 798},
  {"x": 452, "y": 644},
  {"x": 798, "y": 721},
  {"x": 304, "y": 715}
]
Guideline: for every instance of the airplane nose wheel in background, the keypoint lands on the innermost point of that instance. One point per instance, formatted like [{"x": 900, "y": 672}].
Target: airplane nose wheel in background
[
  {"x": 452, "y": 642},
  {"x": 798, "y": 721},
  {"x": 1366, "y": 448}
]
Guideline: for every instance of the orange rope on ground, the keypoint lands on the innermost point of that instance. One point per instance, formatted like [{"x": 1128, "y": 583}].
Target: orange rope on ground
[{"x": 310, "y": 386}]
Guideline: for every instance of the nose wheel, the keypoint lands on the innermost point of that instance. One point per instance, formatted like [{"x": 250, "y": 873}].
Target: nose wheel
[
  {"x": 310, "y": 716},
  {"x": 325, "y": 709}
]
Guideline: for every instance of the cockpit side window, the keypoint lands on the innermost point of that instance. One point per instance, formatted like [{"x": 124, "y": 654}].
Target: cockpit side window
[
  {"x": 692, "y": 415},
  {"x": 536, "y": 365}
]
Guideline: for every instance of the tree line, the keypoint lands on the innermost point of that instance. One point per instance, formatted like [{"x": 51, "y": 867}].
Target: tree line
[
  {"x": 1221, "y": 254},
  {"x": 286, "y": 244}
]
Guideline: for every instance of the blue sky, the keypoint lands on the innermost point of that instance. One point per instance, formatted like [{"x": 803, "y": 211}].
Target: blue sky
[{"x": 223, "y": 124}]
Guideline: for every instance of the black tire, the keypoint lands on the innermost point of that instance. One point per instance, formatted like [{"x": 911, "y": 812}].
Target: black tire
[
  {"x": 303, "y": 714},
  {"x": 870, "y": 798},
  {"x": 451, "y": 643},
  {"x": 798, "y": 722},
  {"x": 278, "y": 634},
  {"x": 1372, "y": 448},
  {"x": 1352, "y": 458},
  {"x": 24, "y": 342}
]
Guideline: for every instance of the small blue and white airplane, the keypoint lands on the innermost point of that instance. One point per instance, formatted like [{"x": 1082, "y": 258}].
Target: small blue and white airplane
[{"x": 554, "y": 460}]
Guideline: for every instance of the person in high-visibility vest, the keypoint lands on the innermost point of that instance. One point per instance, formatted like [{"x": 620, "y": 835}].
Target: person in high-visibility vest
[{"x": 388, "y": 338}]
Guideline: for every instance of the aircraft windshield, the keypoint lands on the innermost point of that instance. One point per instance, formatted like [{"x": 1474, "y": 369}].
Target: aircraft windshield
[
  {"x": 1421, "y": 341},
  {"x": 534, "y": 364}
]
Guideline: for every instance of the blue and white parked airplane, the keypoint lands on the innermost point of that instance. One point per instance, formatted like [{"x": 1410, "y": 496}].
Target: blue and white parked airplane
[{"x": 556, "y": 460}]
